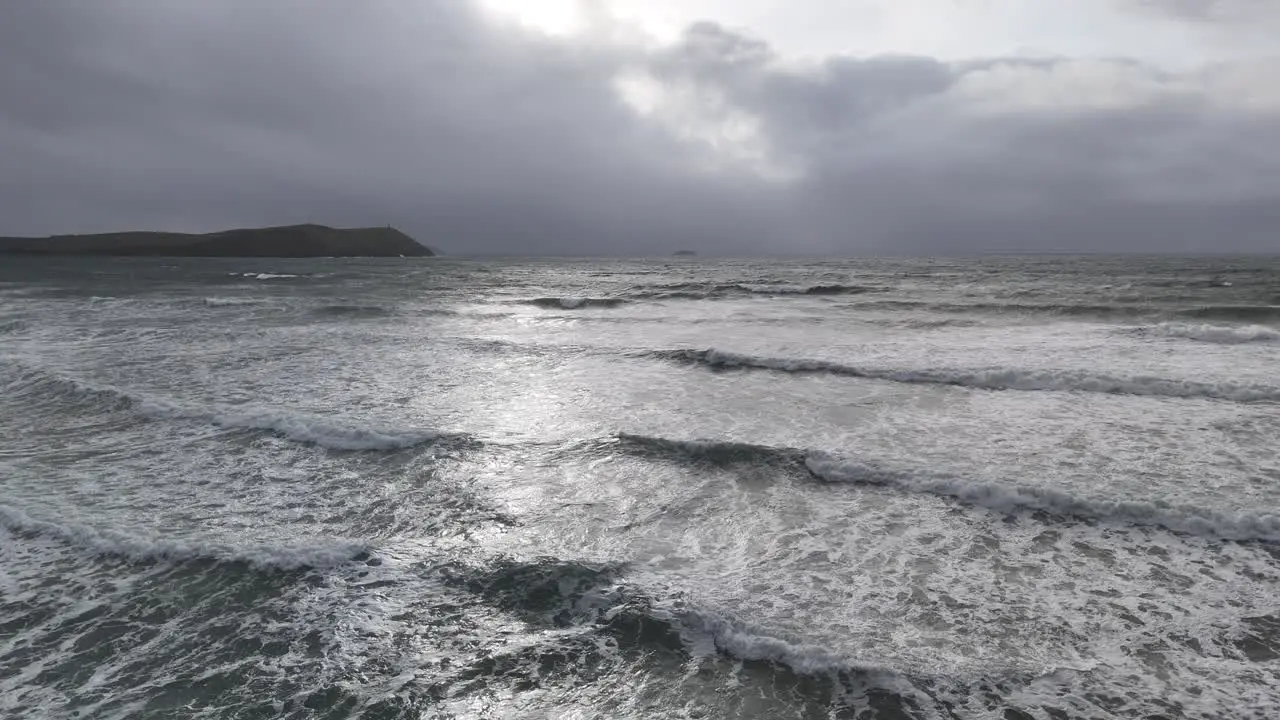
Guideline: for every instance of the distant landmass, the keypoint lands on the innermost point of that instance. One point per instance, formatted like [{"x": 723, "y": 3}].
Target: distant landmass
[
  {"x": 286, "y": 241},
  {"x": 685, "y": 253}
]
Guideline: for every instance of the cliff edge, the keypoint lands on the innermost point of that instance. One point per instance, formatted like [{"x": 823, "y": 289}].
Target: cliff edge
[{"x": 286, "y": 241}]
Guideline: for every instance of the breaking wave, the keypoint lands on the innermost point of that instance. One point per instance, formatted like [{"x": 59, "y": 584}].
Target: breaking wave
[
  {"x": 574, "y": 303},
  {"x": 266, "y": 276},
  {"x": 142, "y": 546},
  {"x": 231, "y": 301},
  {"x": 1067, "y": 310},
  {"x": 563, "y": 594},
  {"x": 301, "y": 427},
  {"x": 983, "y": 379},
  {"x": 1227, "y": 313},
  {"x": 9, "y": 327},
  {"x": 819, "y": 290},
  {"x": 715, "y": 451},
  {"x": 1219, "y": 334},
  {"x": 699, "y": 291},
  {"x": 1234, "y": 313},
  {"x": 324, "y": 431},
  {"x": 1001, "y": 497},
  {"x": 352, "y": 311}
]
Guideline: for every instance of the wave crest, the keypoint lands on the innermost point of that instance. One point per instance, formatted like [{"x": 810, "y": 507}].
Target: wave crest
[
  {"x": 297, "y": 426},
  {"x": 139, "y": 546},
  {"x": 1188, "y": 519},
  {"x": 702, "y": 291},
  {"x": 1001, "y": 497},
  {"x": 1219, "y": 334},
  {"x": 575, "y": 303},
  {"x": 267, "y": 276},
  {"x": 231, "y": 301},
  {"x": 983, "y": 378},
  {"x": 324, "y": 431},
  {"x": 564, "y": 593},
  {"x": 352, "y": 311},
  {"x": 1236, "y": 313}
]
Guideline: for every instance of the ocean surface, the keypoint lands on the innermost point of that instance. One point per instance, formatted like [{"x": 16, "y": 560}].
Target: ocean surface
[{"x": 438, "y": 488}]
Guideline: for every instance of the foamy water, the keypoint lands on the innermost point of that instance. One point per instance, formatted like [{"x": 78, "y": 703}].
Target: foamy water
[{"x": 442, "y": 488}]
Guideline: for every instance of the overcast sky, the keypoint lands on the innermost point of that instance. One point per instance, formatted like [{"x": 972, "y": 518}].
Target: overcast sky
[{"x": 643, "y": 126}]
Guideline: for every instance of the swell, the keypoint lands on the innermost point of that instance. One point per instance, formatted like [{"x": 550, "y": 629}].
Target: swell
[
  {"x": 1238, "y": 313},
  {"x": 1063, "y": 309},
  {"x": 1007, "y": 498},
  {"x": 331, "y": 433},
  {"x": 577, "y": 594},
  {"x": 10, "y": 327},
  {"x": 575, "y": 303},
  {"x": 143, "y": 547},
  {"x": 34, "y": 387},
  {"x": 702, "y": 291},
  {"x": 1217, "y": 334},
  {"x": 232, "y": 301},
  {"x": 268, "y": 276},
  {"x": 996, "y": 378},
  {"x": 352, "y": 311},
  {"x": 1224, "y": 312}
]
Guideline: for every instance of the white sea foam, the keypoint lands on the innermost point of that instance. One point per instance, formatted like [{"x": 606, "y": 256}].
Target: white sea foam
[
  {"x": 996, "y": 378},
  {"x": 147, "y": 546},
  {"x": 1220, "y": 334},
  {"x": 707, "y": 633}
]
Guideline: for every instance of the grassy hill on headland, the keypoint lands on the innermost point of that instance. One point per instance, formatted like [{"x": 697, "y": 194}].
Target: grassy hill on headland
[{"x": 284, "y": 241}]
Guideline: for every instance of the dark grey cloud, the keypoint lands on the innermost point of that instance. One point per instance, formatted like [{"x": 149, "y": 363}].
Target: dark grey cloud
[{"x": 480, "y": 138}]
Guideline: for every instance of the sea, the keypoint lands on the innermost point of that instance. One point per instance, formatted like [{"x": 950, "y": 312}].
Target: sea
[{"x": 1000, "y": 488}]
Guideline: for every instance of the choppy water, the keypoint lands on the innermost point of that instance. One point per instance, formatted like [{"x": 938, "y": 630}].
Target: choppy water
[{"x": 640, "y": 489}]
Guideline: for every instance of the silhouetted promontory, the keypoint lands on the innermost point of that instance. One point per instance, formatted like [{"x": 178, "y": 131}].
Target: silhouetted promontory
[{"x": 280, "y": 242}]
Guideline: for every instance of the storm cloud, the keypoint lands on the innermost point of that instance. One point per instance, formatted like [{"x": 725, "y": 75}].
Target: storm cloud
[{"x": 484, "y": 137}]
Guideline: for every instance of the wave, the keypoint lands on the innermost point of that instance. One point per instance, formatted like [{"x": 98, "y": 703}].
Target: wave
[
  {"x": 352, "y": 311},
  {"x": 326, "y": 432},
  {"x": 1237, "y": 313},
  {"x": 266, "y": 276},
  {"x": 564, "y": 593},
  {"x": 819, "y": 290},
  {"x": 1068, "y": 309},
  {"x": 1001, "y": 497},
  {"x": 715, "y": 451},
  {"x": 297, "y": 426},
  {"x": 140, "y": 546},
  {"x": 1187, "y": 519},
  {"x": 34, "y": 386},
  {"x": 574, "y": 303},
  {"x": 983, "y": 379},
  {"x": 701, "y": 291},
  {"x": 1219, "y": 334},
  {"x": 9, "y": 327},
  {"x": 231, "y": 301},
  {"x": 928, "y": 323},
  {"x": 1230, "y": 313}
]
